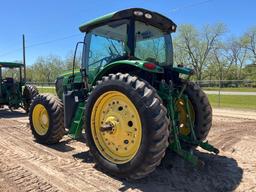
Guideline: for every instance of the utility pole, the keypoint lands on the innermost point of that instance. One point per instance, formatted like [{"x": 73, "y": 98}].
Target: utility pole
[{"x": 24, "y": 56}]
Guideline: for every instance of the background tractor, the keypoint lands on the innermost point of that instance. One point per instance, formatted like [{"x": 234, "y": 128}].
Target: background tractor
[
  {"x": 14, "y": 92},
  {"x": 129, "y": 96}
]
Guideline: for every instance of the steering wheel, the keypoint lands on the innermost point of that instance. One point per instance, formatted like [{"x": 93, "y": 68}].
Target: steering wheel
[{"x": 106, "y": 59}]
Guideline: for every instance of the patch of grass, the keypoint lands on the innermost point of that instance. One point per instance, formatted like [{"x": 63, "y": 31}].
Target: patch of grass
[
  {"x": 47, "y": 90},
  {"x": 234, "y": 101},
  {"x": 235, "y": 89}
]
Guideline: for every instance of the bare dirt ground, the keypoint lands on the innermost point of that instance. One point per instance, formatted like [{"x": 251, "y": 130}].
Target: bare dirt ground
[{"x": 68, "y": 166}]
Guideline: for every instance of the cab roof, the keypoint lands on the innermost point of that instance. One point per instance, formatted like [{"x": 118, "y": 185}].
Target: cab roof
[
  {"x": 11, "y": 64},
  {"x": 157, "y": 19}
]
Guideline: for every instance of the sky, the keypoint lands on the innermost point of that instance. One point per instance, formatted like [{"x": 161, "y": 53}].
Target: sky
[{"x": 51, "y": 26}]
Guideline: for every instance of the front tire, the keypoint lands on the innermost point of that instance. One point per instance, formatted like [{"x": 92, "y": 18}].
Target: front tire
[
  {"x": 46, "y": 119},
  {"x": 137, "y": 141}
]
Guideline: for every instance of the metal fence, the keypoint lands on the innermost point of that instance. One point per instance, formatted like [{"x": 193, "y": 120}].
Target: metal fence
[
  {"x": 227, "y": 83},
  {"x": 205, "y": 84},
  {"x": 42, "y": 84}
]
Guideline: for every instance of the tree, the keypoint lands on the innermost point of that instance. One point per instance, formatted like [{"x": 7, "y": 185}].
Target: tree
[
  {"x": 46, "y": 69},
  {"x": 68, "y": 62},
  {"x": 250, "y": 72},
  {"x": 197, "y": 45},
  {"x": 238, "y": 55},
  {"x": 249, "y": 39},
  {"x": 227, "y": 60}
]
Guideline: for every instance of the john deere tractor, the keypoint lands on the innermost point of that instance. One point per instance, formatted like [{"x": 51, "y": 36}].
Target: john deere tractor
[
  {"x": 14, "y": 92},
  {"x": 130, "y": 98}
]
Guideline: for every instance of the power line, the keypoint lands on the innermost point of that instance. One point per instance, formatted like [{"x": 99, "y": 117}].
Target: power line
[
  {"x": 40, "y": 44},
  {"x": 190, "y": 5},
  {"x": 74, "y": 35},
  {"x": 54, "y": 40}
]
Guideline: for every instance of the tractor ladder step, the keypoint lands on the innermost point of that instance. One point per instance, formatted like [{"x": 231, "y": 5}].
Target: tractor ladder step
[{"x": 75, "y": 130}]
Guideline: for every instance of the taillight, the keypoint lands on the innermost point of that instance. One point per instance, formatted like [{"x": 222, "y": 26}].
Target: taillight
[{"x": 149, "y": 66}]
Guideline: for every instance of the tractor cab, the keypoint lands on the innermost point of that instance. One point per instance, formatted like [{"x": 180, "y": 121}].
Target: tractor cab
[
  {"x": 133, "y": 38},
  {"x": 11, "y": 81},
  {"x": 14, "y": 92}
]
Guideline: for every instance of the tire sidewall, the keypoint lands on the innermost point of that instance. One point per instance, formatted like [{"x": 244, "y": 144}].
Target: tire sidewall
[
  {"x": 38, "y": 100},
  {"x": 135, "y": 98},
  {"x": 195, "y": 96}
]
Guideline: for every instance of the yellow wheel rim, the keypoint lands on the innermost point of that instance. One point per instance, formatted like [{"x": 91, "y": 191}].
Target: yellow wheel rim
[
  {"x": 120, "y": 143},
  {"x": 183, "y": 116},
  {"x": 40, "y": 119}
]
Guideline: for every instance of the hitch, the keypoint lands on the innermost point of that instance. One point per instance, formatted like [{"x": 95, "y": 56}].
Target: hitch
[{"x": 170, "y": 95}]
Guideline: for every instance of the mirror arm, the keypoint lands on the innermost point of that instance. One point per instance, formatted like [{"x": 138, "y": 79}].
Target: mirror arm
[{"x": 74, "y": 58}]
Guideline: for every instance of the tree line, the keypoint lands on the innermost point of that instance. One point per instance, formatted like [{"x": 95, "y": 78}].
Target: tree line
[
  {"x": 214, "y": 54},
  {"x": 211, "y": 51}
]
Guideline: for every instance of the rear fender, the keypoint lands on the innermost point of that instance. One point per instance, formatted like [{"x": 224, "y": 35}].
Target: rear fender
[{"x": 124, "y": 66}]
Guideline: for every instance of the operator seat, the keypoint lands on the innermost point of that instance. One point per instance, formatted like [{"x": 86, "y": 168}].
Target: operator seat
[
  {"x": 10, "y": 84},
  {"x": 9, "y": 80},
  {"x": 1, "y": 86}
]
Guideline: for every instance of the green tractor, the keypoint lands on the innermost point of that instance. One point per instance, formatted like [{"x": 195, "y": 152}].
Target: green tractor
[
  {"x": 129, "y": 97},
  {"x": 14, "y": 92}
]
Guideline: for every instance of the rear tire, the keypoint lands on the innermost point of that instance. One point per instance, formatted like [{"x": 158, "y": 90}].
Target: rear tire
[
  {"x": 202, "y": 109},
  {"x": 29, "y": 92},
  {"x": 46, "y": 118},
  {"x": 154, "y": 125}
]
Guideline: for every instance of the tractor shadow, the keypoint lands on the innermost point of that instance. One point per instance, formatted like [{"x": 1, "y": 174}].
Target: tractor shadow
[
  {"x": 62, "y": 146},
  {"x": 6, "y": 113},
  {"x": 86, "y": 157},
  {"x": 220, "y": 173}
]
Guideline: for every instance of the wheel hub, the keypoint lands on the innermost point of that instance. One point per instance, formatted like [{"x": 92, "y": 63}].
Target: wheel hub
[
  {"x": 116, "y": 127},
  {"x": 183, "y": 116},
  {"x": 40, "y": 119},
  {"x": 44, "y": 119}
]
